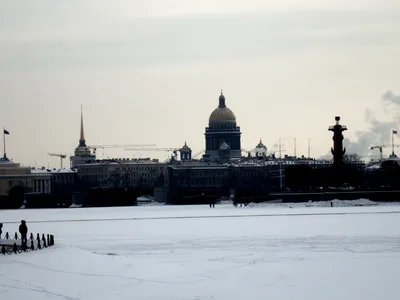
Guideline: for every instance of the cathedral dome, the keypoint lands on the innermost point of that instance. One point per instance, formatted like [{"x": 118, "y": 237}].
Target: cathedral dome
[
  {"x": 185, "y": 147},
  {"x": 260, "y": 145},
  {"x": 222, "y": 113}
]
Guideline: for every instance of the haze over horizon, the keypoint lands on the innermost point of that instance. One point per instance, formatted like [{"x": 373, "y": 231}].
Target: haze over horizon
[{"x": 150, "y": 72}]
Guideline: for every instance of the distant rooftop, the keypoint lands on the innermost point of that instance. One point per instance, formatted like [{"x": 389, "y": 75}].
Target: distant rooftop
[
  {"x": 118, "y": 161},
  {"x": 44, "y": 170},
  {"x": 260, "y": 162}
]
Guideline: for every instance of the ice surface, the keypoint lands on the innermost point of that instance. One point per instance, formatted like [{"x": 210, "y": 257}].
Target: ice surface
[
  {"x": 194, "y": 252},
  {"x": 335, "y": 203}
]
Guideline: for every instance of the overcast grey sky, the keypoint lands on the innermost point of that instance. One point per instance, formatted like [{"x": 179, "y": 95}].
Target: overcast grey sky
[{"x": 151, "y": 71}]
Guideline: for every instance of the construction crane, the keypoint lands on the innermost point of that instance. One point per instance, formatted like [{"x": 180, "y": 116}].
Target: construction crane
[
  {"x": 278, "y": 148},
  {"x": 198, "y": 153},
  {"x": 151, "y": 149},
  {"x": 380, "y": 147},
  {"x": 174, "y": 150},
  {"x": 61, "y": 156},
  {"x": 95, "y": 147}
]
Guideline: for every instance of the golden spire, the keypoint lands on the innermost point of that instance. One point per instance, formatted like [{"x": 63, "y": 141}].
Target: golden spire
[
  {"x": 82, "y": 142},
  {"x": 82, "y": 138}
]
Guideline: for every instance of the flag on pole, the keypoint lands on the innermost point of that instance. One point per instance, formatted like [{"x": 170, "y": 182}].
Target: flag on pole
[
  {"x": 6, "y": 132},
  {"x": 394, "y": 131}
]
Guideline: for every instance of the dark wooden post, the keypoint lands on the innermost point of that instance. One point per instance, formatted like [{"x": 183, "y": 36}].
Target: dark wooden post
[{"x": 44, "y": 241}]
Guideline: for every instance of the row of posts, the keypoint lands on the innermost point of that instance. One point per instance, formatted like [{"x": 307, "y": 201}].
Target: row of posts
[{"x": 44, "y": 242}]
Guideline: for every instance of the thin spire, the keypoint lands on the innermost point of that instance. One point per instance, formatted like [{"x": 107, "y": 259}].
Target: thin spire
[
  {"x": 82, "y": 142},
  {"x": 82, "y": 138},
  {"x": 222, "y": 92}
]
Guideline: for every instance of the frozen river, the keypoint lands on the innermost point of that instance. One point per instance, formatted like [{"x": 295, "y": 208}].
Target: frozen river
[{"x": 194, "y": 252}]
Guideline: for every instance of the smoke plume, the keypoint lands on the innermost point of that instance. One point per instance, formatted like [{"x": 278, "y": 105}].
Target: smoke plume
[
  {"x": 379, "y": 132},
  {"x": 391, "y": 97}
]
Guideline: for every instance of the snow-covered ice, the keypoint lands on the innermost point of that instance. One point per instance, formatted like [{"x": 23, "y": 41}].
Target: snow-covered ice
[{"x": 271, "y": 251}]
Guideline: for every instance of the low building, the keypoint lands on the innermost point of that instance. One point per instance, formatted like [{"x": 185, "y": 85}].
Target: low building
[
  {"x": 62, "y": 182},
  {"x": 113, "y": 173},
  {"x": 16, "y": 181},
  {"x": 13, "y": 176},
  {"x": 200, "y": 181}
]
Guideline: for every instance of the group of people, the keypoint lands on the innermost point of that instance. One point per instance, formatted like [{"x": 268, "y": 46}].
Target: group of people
[
  {"x": 23, "y": 230},
  {"x": 235, "y": 204}
]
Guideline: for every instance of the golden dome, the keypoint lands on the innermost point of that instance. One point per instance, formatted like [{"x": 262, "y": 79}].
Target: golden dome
[{"x": 222, "y": 113}]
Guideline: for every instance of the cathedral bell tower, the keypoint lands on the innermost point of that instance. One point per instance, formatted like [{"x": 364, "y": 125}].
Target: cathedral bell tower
[{"x": 186, "y": 153}]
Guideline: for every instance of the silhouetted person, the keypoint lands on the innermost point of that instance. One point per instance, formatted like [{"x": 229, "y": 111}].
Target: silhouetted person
[
  {"x": 23, "y": 230},
  {"x": 1, "y": 229}
]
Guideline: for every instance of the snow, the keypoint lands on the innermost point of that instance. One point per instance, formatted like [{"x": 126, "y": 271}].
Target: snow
[
  {"x": 346, "y": 203},
  {"x": 19, "y": 243},
  {"x": 275, "y": 251},
  {"x": 335, "y": 203},
  {"x": 374, "y": 166},
  {"x": 34, "y": 170}
]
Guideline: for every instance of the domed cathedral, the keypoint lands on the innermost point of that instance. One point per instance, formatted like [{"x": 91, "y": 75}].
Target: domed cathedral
[{"x": 222, "y": 132}]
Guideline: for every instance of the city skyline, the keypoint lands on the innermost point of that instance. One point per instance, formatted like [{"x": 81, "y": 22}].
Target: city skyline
[{"x": 151, "y": 73}]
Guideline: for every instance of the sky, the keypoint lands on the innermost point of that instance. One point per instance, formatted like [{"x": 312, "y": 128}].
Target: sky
[{"x": 150, "y": 72}]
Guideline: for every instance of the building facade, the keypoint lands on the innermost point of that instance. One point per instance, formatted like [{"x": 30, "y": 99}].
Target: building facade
[
  {"x": 17, "y": 181},
  {"x": 14, "y": 177},
  {"x": 122, "y": 173},
  {"x": 62, "y": 184}
]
